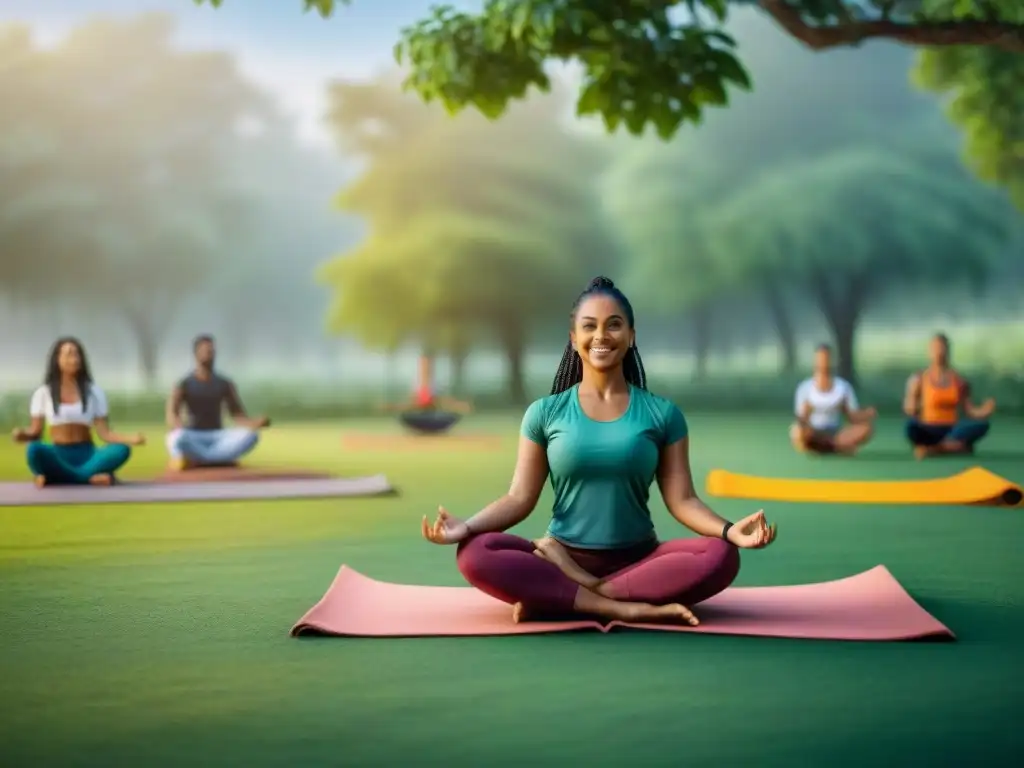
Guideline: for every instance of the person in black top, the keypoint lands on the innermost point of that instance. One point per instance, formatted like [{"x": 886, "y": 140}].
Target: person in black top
[{"x": 204, "y": 441}]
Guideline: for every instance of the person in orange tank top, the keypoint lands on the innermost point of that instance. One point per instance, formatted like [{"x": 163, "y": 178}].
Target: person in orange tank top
[{"x": 942, "y": 417}]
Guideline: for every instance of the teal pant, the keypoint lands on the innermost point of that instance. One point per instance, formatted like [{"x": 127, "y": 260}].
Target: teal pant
[{"x": 76, "y": 463}]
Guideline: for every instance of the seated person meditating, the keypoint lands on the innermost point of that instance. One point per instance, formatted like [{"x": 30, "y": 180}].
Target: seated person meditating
[
  {"x": 425, "y": 397},
  {"x": 72, "y": 406},
  {"x": 205, "y": 393},
  {"x": 602, "y": 438},
  {"x": 821, "y": 403},
  {"x": 934, "y": 401}
]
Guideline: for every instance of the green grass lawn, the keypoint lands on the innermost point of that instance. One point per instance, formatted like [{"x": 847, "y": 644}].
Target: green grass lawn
[{"x": 158, "y": 634}]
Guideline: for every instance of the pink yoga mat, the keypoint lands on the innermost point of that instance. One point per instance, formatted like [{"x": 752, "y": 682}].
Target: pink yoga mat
[{"x": 869, "y": 606}]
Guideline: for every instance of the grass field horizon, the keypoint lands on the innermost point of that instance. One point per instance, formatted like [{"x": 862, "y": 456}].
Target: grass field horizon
[{"x": 159, "y": 633}]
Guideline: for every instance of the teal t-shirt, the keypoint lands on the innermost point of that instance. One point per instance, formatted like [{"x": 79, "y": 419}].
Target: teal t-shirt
[{"x": 601, "y": 471}]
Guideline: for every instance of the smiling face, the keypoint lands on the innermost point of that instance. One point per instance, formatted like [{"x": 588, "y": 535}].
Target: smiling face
[
  {"x": 69, "y": 359},
  {"x": 601, "y": 333}
]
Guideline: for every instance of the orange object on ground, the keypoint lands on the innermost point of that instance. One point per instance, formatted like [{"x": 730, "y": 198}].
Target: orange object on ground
[{"x": 972, "y": 486}]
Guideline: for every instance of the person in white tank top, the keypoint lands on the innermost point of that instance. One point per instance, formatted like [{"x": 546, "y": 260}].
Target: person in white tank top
[
  {"x": 822, "y": 404},
  {"x": 73, "y": 407}
]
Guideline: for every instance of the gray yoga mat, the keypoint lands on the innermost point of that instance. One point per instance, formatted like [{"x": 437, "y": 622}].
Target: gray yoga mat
[{"x": 27, "y": 495}]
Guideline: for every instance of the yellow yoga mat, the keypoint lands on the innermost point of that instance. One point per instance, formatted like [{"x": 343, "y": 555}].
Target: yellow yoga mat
[{"x": 972, "y": 486}]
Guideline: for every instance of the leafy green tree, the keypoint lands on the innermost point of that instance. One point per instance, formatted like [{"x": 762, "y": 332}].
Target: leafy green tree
[
  {"x": 860, "y": 223},
  {"x": 42, "y": 211},
  {"x": 658, "y": 197},
  {"x": 661, "y": 64},
  {"x": 156, "y": 154},
  {"x": 498, "y": 224},
  {"x": 805, "y": 106},
  {"x": 984, "y": 88},
  {"x": 376, "y": 297}
]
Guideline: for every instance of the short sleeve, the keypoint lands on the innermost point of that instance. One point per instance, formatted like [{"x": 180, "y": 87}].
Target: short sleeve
[
  {"x": 676, "y": 427},
  {"x": 37, "y": 407},
  {"x": 535, "y": 423},
  {"x": 98, "y": 403},
  {"x": 851, "y": 398},
  {"x": 800, "y": 399}
]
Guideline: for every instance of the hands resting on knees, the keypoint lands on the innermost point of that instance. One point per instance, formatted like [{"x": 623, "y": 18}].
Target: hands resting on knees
[{"x": 751, "y": 532}]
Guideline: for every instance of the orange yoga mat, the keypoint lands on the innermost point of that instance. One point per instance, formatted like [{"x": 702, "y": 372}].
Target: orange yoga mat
[
  {"x": 869, "y": 606},
  {"x": 972, "y": 486}
]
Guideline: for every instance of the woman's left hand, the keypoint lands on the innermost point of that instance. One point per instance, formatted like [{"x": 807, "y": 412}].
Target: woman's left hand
[
  {"x": 139, "y": 439},
  {"x": 752, "y": 532}
]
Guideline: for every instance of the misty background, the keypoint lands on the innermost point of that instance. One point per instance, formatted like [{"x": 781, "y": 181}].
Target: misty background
[{"x": 256, "y": 173}]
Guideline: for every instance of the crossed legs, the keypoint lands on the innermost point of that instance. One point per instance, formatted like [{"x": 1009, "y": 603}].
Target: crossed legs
[
  {"x": 934, "y": 439},
  {"x": 80, "y": 464},
  {"x": 215, "y": 447},
  {"x": 846, "y": 440},
  {"x": 662, "y": 585}
]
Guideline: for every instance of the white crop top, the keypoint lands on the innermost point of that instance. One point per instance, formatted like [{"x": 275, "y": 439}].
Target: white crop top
[{"x": 68, "y": 413}]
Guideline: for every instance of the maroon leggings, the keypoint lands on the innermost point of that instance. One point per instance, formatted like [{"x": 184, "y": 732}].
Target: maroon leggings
[{"x": 686, "y": 571}]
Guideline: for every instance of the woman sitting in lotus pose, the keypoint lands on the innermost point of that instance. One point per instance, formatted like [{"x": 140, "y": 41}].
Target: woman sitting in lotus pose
[
  {"x": 72, "y": 406},
  {"x": 942, "y": 417},
  {"x": 603, "y": 439}
]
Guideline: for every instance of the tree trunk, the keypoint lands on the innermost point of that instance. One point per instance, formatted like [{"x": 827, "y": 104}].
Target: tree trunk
[
  {"x": 147, "y": 344},
  {"x": 457, "y": 357},
  {"x": 842, "y": 308},
  {"x": 513, "y": 342},
  {"x": 389, "y": 375},
  {"x": 700, "y": 324},
  {"x": 776, "y": 304}
]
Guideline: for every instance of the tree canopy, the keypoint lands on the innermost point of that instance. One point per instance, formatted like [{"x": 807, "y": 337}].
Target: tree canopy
[
  {"x": 855, "y": 224},
  {"x": 473, "y": 227},
  {"x": 664, "y": 193},
  {"x": 35, "y": 256},
  {"x": 985, "y": 92},
  {"x": 662, "y": 64},
  {"x": 126, "y": 161}
]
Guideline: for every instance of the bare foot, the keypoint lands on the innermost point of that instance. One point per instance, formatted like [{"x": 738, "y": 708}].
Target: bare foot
[
  {"x": 178, "y": 465},
  {"x": 922, "y": 452},
  {"x": 40, "y": 481},
  {"x": 519, "y": 613},
  {"x": 604, "y": 589},
  {"x": 644, "y": 612},
  {"x": 101, "y": 479}
]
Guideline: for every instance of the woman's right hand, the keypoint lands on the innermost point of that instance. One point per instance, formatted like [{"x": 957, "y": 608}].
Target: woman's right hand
[
  {"x": 18, "y": 435},
  {"x": 447, "y": 529}
]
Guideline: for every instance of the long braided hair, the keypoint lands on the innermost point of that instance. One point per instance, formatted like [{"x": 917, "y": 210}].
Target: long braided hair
[{"x": 570, "y": 369}]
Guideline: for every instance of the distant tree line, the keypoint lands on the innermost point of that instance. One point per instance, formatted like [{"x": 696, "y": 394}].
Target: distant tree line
[{"x": 833, "y": 188}]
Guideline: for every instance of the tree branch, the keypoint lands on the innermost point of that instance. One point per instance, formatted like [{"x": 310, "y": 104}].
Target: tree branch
[{"x": 994, "y": 34}]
